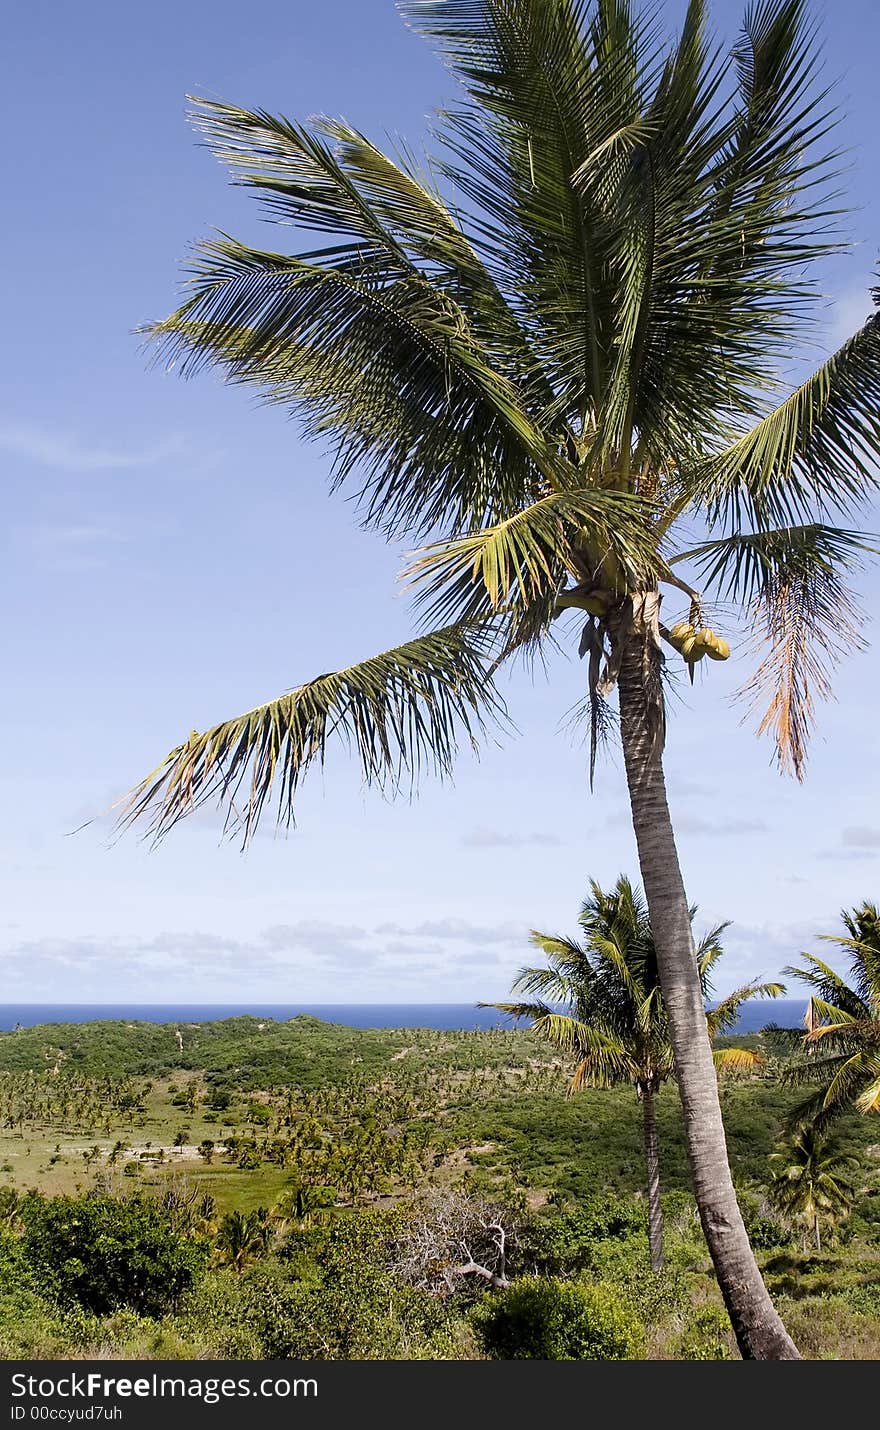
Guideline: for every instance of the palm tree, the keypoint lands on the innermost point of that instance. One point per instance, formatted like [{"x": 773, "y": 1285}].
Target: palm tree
[
  {"x": 841, "y": 1046},
  {"x": 601, "y": 1001},
  {"x": 811, "y": 1186},
  {"x": 240, "y": 1237},
  {"x": 304, "y": 1203},
  {"x": 553, "y": 354}
]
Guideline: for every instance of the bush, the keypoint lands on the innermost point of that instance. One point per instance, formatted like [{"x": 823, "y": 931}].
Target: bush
[
  {"x": 564, "y": 1241},
  {"x": 104, "y": 1253},
  {"x": 539, "y": 1319},
  {"x": 706, "y": 1337},
  {"x": 651, "y": 1295}
]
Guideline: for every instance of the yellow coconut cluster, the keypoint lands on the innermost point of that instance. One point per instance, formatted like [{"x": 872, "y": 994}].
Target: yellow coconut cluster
[{"x": 694, "y": 644}]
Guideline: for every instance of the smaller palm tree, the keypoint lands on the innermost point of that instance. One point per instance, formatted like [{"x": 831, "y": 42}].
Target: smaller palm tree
[
  {"x": 841, "y": 1046},
  {"x": 241, "y": 1236},
  {"x": 600, "y": 1001},
  {"x": 811, "y": 1186},
  {"x": 303, "y": 1204}
]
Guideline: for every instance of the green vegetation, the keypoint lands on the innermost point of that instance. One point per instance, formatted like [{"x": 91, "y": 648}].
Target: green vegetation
[
  {"x": 340, "y": 1218},
  {"x": 601, "y": 1003},
  {"x": 842, "y": 1048},
  {"x": 555, "y": 380},
  {"x": 812, "y": 1184},
  {"x": 540, "y": 1318}
]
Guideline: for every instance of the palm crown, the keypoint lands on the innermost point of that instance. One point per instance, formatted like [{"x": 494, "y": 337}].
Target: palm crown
[
  {"x": 601, "y": 1000},
  {"x": 841, "y": 1047},
  {"x": 811, "y": 1182},
  {"x": 551, "y": 353}
]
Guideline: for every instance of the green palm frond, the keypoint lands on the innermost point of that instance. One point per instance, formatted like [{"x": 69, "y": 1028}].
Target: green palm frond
[
  {"x": 546, "y": 85},
  {"x": 816, "y": 451},
  {"x": 562, "y": 952},
  {"x": 825, "y": 1021},
  {"x": 409, "y": 405},
  {"x": 840, "y": 1048},
  {"x": 863, "y": 947},
  {"x": 725, "y": 1014},
  {"x": 738, "y": 568},
  {"x": 868, "y": 1099},
  {"x": 527, "y": 557},
  {"x": 403, "y": 711},
  {"x": 829, "y": 986},
  {"x": 392, "y": 344},
  {"x": 709, "y": 950},
  {"x": 352, "y": 187}
]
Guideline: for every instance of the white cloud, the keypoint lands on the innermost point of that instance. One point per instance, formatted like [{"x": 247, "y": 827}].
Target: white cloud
[
  {"x": 861, "y": 836},
  {"x": 484, "y": 838},
  {"x": 69, "y": 453},
  {"x": 694, "y": 824},
  {"x": 68, "y": 549},
  {"x": 458, "y": 930}
]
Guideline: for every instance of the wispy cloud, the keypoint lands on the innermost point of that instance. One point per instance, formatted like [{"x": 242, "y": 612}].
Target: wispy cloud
[
  {"x": 67, "y": 548},
  {"x": 70, "y": 453},
  {"x": 311, "y": 959},
  {"x": 500, "y": 839},
  {"x": 694, "y": 824},
  {"x": 861, "y": 836},
  {"x": 847, "y": 855},
  {"x": 456, "y": 930}
]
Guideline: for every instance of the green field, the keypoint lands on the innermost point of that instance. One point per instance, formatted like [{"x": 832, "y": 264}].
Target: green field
[{"x": 232, "y": 1116}]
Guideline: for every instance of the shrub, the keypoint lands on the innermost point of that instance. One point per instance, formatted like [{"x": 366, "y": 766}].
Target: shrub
[
  {"x": 564, "y": 1241},
  {"x": 103, "y": 1253},
  {"x": 706, "y": 1336},
  {"x": 538, "y": 1319},
  {"x": 651, "y": 1295}
]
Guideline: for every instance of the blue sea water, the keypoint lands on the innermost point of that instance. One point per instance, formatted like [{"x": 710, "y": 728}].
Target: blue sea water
[{"x": 786, "y": 1012}]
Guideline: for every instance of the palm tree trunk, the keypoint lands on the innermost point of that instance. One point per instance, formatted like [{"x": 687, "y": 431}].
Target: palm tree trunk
[
  {"x": 652, "y": 1158},
  {"x": 758, "y": 1328}
]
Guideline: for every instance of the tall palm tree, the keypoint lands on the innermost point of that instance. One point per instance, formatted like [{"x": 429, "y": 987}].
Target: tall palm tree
[
  {"x": 811, "y": 1185},
  {"x": 841, "y": 1046},
  {"x": 601, "y": 1002},
  {"x": 553, "y": 353}
]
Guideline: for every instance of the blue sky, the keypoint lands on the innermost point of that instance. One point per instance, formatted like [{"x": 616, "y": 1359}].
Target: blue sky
[{"x": 171, "y": 557}]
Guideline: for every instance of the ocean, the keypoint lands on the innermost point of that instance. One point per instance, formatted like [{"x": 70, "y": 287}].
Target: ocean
[{"x": 786, "y": 1012}]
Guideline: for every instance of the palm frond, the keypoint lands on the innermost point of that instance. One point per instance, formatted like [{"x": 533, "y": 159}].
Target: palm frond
[
  {"x": 807, "y": 618},
  {"x": 868, "y": 1099},
  {"x": 403, "y": 711},
  {"x": 738, "y": 568},
  {"x": 725, "y": 1014},
  {"x": 737, "y": 1060},
  {"x": 527, "y": 557},
  {"x": 828, "y": 986},
  {"x": 381, "y": 359},
  {"x": 816, "y": 451},
  {"x": 546, "y": 84},
  {"x": 709, "y": 950}
]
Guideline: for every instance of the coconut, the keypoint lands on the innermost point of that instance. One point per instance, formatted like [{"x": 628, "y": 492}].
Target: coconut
[
  {"x": 680, "y": 633},
  {"x": 719, "y": 649},
  {"x": 704, "y": 641}
]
